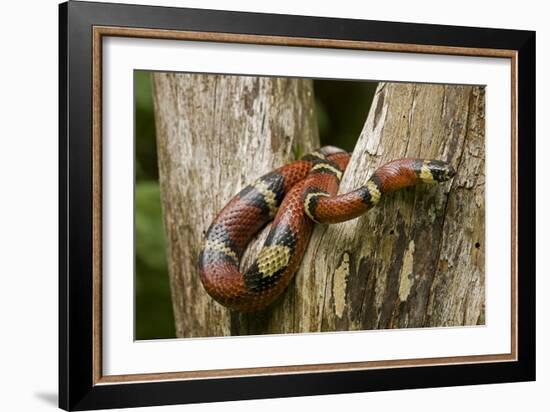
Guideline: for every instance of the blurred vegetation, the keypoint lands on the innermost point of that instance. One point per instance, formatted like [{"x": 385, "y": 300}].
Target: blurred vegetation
[
  {"x": 341, "y": 109},
  {"x": 154, "y": 316}
]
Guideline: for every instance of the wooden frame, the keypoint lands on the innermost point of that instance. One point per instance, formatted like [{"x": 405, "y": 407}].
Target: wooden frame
[{"x": 82, "y": 27}]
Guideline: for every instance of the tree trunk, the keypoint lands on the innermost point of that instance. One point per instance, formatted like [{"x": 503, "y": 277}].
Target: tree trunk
[
  {"x": 215, "y": 135},
  {"x": 415, "y": 260}
]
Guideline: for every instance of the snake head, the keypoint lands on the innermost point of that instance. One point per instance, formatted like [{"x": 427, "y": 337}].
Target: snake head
[
  {"x": 437, "y": 170},
  {"x": 433, "y": 171}
]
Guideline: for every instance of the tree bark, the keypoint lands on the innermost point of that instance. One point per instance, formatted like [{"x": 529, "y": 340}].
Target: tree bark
[
  {"x": 215, "y": 135},
  {"x": 415, "y": 260}
]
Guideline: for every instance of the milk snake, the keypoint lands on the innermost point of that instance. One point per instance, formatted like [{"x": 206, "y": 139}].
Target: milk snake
[{"x": 294, "y": 196}]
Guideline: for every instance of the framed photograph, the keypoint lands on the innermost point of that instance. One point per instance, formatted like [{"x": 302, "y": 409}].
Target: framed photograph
[{"x": 256, "y": 205}]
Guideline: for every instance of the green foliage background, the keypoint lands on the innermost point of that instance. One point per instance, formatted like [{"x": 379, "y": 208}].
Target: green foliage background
[{"x": 341, "y": 109}]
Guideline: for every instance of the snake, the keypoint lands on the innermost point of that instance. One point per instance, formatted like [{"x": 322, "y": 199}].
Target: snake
[{"x": 295, "y": 197}]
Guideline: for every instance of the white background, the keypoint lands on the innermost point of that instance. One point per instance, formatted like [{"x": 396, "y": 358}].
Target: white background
[
  {"x": 28, "y": 210},
  {"x": 122, "y": 355}
]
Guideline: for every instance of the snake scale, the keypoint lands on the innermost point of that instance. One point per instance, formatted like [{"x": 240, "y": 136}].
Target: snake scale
[{"x": 294, "y": 196}]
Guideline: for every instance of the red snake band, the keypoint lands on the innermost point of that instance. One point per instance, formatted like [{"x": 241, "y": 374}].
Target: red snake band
[{"x": 294, "y": 197}]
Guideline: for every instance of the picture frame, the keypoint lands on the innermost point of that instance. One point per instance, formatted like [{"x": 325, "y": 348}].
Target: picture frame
[{"x": 83, "y": 27}]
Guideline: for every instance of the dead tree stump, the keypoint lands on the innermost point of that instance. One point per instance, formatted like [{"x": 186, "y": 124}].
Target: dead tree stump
[{"x": 215, "y": 135}]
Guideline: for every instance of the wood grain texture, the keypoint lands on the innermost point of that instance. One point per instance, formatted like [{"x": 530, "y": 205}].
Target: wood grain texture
[
  {"x": 417, "y": 259},
  {"x": 215, "y": 135},
  {"x": 299, "y": 41}
]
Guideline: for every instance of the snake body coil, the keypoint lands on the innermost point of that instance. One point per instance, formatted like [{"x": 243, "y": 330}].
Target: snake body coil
[{"x": 294, "y": 196}]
